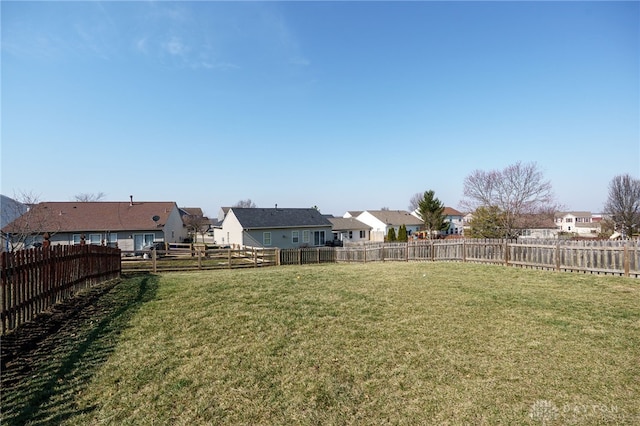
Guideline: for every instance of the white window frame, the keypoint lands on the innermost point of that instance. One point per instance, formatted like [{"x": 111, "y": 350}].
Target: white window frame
[
  {"x": 266, "y": 238},
  {"x": 305, "y": 236},
  {"x": 95, "y": 239},
  {"x": 295, "y": 237},
  {"x": 76, "y": 239},
  {"x": 363, "y": 234}
]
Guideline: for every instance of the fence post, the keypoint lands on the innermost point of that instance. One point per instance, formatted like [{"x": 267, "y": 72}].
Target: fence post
[
  {"x": 464, "y": 250},
  {"x": 626, "y": 259},
  {"x": 558, "y": 256},
  {"x": 229, "y": 257},
  {"x": 154, "y": 260},
  {"x": 255, "y": 257},
  {"x": 506, "y": 252}
]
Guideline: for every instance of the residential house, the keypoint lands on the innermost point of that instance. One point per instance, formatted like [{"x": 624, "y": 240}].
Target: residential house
[
  {"x": 195, "y": 221},
  {"x": 381, "y": 221},
  {"x": 538, "y": 226},
  {"x": 579, "y": 223},
  {"x": 349, "y": 229},
  {"x": 127, "y": 225},
  {"x": 274, "y": 227},
  {"x": 352, "y": 213},
  {"x": 455, "y": 219}
]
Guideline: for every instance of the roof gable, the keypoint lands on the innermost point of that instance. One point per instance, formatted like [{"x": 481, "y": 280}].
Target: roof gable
[
  {"x": 395, "y": 217},
  {"x": 250, "y": 218},
  {"x": 347, "y": 223}
]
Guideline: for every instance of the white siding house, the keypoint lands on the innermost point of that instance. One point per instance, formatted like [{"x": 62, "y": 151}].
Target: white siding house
[
  {"x": 580, "y": 223},
  {"x": 381, "y": 221},
  {"x": 349, "y": 229}
]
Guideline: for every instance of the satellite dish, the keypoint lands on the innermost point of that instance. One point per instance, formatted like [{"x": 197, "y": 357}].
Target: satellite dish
[{"x": 155, "y": 218}]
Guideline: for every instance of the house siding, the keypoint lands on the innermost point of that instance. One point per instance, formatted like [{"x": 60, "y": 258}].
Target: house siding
[
  {"x": 380, "y": 229},
  {"x": 283, "y": 237}
]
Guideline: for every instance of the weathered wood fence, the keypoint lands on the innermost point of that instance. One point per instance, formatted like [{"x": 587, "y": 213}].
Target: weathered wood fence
[
  {"x": 303, "y": 256},
  {"x": 196, "y": 257},
  {"x": 33, "y": 280},
  {"x": 596, "y": 257}
]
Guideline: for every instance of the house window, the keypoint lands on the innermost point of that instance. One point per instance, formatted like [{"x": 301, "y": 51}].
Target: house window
[
  {"x": 95, "y": 239},
  {"x": 569, "y": 220},
  {"x": 350, "y": 234},
  {"x": 112, "y": 237},
  {"x": 266, "y": 238},
  {"x": 295, "y": 238},
  {"x": 318, "y": 238},
  {"x": 305, "y": 236},
  {"x": 363, "y": 234},
  {"x": 76, "y": 239}
]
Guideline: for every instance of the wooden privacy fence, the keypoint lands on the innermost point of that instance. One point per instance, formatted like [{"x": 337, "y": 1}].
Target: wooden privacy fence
[
  {"x": 596, "y": 257},
  {"x": 304, "y": 256},
  {"x": 33, "y": 280}
]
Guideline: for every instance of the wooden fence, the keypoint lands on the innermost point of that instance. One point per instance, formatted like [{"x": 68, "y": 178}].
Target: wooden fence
[
  {"x": 596, "y": 257},
  {"x": 33, "y": 280},
  {"x": 304, "y": 256},
  {"x": 196, "y": 257}
]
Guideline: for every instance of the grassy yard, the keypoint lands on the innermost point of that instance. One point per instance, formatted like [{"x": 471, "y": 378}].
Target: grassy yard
[{"x": 383, "y": 343}]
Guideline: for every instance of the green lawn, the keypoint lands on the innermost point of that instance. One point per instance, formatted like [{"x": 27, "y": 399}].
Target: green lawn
[{"x": 381, "y": 343}]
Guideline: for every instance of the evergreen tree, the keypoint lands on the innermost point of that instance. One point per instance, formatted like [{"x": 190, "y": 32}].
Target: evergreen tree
[
  {"x": 487, "y": 223},
  {"x": 431, "y": 211},
  {"x": 402, "y": 234},
  {"x": 391, "y": 234}
]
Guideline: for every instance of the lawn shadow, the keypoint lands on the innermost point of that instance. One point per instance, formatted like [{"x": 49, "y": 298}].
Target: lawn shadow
[{"x": 47, "y": 362}]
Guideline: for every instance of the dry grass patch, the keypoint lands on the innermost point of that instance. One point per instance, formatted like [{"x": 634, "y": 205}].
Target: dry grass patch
[{"x": 400, "y": 343}]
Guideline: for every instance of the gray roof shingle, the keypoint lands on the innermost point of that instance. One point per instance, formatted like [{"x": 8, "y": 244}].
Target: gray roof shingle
[{"x": 252, "y": 218}]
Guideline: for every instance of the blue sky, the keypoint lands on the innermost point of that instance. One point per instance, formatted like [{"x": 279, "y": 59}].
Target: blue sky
[{"x": 343, "y": 105}]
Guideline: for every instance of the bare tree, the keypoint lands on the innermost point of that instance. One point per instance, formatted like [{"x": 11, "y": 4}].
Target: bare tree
[
  {"x": 88, "y": 197},
  {"x": 196, "y": 225},
  {"x": 623, "y": 203},
  {"x": 246, "y": 204},
  {"x": 30, "y": 222},
  {"x": 414, "y": 201},
  {"x": 520, "y": 189}
]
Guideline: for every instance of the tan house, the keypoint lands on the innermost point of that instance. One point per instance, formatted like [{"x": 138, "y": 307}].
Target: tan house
[{"x": 127, "y": 225}]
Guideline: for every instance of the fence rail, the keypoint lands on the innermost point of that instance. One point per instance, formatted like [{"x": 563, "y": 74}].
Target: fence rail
[
  {"x": 598, "y": 257},
  {"x": 197, "y": 258},
  {"x": 33, "y": 280}
]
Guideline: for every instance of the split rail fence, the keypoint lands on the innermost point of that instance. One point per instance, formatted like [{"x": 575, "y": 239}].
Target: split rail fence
[
  {"x": 33, "y": 280},
  {"x": 194, "y": 257}
]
